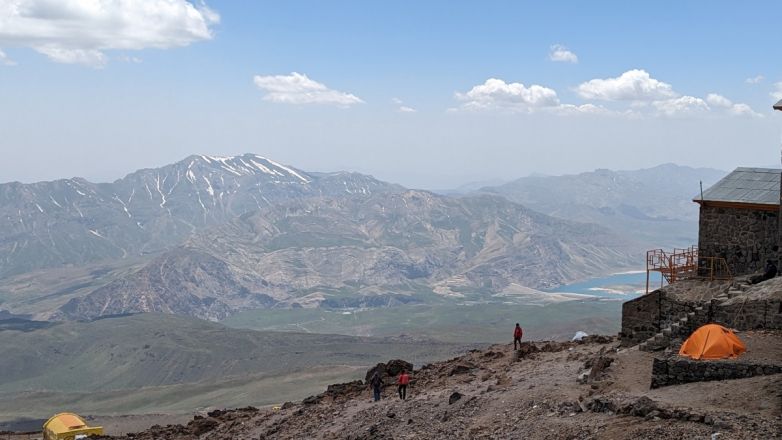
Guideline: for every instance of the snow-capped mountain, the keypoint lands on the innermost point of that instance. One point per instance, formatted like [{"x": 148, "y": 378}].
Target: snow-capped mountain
[{"x": 73, "y": 221}]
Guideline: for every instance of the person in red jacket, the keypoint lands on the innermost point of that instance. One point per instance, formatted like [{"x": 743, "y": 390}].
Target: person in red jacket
[
  {"x": 517, "y": 333},
  {"x": 404, "y": 379}
]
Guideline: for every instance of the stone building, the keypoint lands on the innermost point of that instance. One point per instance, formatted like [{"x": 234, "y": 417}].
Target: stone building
[{"x": 739, "y": 219}]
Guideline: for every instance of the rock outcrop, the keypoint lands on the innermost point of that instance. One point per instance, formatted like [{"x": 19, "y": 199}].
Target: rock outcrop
[{"x": 496, "y": 397}]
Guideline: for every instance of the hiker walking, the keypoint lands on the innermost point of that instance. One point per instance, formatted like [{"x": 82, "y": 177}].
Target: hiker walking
[
  {"x": 376, "y": 382},
  {"x": 517, "y": 333},
  {"x": 404, "y": 379}
]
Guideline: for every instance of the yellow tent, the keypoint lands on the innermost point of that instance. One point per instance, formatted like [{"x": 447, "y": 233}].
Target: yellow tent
[
  {"x": 712, "y": 341},
  {"x": 68, "y": 426}
]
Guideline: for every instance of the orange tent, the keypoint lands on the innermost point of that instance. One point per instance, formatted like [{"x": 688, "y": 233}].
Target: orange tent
[{"x": 712, "y": 341}]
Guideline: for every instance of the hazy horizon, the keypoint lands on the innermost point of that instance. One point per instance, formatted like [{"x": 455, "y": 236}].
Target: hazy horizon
[{"x": 459, "y": 184}]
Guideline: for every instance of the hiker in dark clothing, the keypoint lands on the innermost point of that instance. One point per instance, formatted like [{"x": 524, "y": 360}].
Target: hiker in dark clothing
[
  {"x": 517, "y": 333},
  {"x": 376, "y": 382},
  {"x": 404, "y": 379},
  {"x": 769, "y": 272}
]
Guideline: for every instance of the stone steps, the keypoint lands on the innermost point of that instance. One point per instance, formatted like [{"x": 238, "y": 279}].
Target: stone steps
[{"x": 662, "y": 340}]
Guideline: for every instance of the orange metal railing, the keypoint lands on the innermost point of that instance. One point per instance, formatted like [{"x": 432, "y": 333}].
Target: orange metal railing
[
  {"x": 684, "y": 264},
  {"x": 714, "y": 268}
]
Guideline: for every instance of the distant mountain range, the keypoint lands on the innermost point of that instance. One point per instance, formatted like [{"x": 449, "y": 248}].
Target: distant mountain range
[
  {"x": 358, "y": 251},
  {"x": 653, "y": 206},
  {"x": 210, "y": 236},
  {"x": 73, "y": 221}
]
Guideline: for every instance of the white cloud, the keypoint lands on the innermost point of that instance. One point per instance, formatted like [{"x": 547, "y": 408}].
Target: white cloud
[
  {"x": 297, "y": 88},
  {"x": 644, "y": 97},
  {"x": 401, "y": 108},
  {"x": 496, "y": 93},
  {"x": 777, "y": 93},
  {"x": 681, "y": 106},
  {"x": 743, "y": 110},
  {"x": 633, "y": 85},
  {"x": 584, "y": 109},
  {"x": 722, "y": 102},
  {"x": 74, "y": 31},
  {"x": 754, "y": 80},
  {"x": 89, "y": 57},
  {"x": 562, "y": 54},
  {"x": 5, "y": 61},
  {"x": 718, "y": 100}
]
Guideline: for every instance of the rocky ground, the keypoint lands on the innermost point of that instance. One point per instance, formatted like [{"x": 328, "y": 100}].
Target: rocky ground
[{"x": 546, "y": 390}]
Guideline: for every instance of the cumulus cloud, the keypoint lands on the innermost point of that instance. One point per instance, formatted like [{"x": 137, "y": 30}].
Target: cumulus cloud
[
  {"x": 743, "y": 110},
  {"x": 718, "y": 100},
  {"x": 730, "y": 107},
  {"x": 74, "y": 31},
  {"x": 297, "y": 88},
  {"x": 777, "y": 93},
  {"x": 496, "y": 93},
  {"x": 754, "y": 79},
  {"x": 5, "y": 61},
  {"x": 681, "y": 106},
  {"x": 634, "y": 94},
  {"x": 633, "y": 85},
  {"x": 561, "y": 53}
]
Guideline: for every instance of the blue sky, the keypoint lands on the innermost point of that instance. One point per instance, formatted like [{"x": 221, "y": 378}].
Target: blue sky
[{"x": 395, "y": 89}]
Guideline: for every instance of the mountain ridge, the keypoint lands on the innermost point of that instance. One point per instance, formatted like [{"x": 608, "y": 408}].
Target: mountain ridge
[
  {"x": 390, "y": 247},
  {"x": 74, "y": 221},
  {"x": 654, "y": 205}
]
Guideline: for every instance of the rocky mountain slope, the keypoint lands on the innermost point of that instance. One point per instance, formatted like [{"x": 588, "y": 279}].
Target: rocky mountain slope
[
  {"x": 546, "y": 390},
  {"x": 155, "y": 362},
  {"x": 72, "y": 221},
  {"x": 359, "y": 251},
  {"x": 653, "y": 205}
]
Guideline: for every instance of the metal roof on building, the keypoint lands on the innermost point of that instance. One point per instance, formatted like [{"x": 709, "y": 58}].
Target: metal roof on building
[
  {"x": 778, "y": 106},
  {"x": 745, "y": 185}
]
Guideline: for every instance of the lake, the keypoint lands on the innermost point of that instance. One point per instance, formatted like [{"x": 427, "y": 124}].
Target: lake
[{"x": 619, "y": 286}]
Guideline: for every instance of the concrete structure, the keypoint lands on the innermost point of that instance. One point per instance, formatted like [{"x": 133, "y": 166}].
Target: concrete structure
[{"x": 739, "y": 219}]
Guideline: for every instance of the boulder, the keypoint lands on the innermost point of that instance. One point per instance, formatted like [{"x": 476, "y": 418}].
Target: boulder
[
  {"x": 460, "y": 369},
  {"x": 201, "y": 426},
  {"x": 389, "y": 369}
]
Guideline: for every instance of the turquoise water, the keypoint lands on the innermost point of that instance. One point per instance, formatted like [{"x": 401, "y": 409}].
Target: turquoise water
[{"x": 620, "y": 286}]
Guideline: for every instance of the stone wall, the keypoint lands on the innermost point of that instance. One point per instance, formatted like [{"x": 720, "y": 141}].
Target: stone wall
[
  {"x": 749, "y": 314},
  {"x": 745, "y": 238},
  {"x": 647, "y": 315},
  {"x": 678, "y": 371}
]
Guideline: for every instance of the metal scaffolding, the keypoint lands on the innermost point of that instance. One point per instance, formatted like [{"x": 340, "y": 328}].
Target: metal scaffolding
[{"x": 683, "y": 264}]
